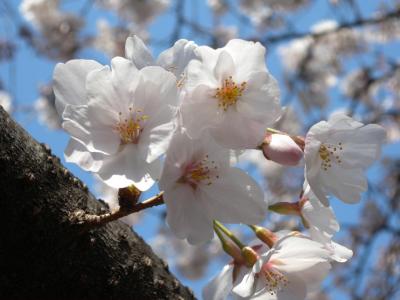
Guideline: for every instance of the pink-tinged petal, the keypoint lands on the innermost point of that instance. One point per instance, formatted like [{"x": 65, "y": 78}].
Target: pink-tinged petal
[
  {"x": 234, "y": 197},
  {"x": 220, "y": 286},
  {"x": 282, "y": 149},
  {"x": 138, "y": 53},
  {"x": 69, "y": 82},
  {"x": 186, "y": 216},
  {"x": 127, "y": 167},
  {"x": 238, "y": 132},
  {"x": 246, "y": 286},
  {"x": 260, "y": 99}
]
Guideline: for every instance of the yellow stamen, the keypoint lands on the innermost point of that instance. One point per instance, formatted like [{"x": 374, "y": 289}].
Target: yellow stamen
[{"x": 229, "y": 93}]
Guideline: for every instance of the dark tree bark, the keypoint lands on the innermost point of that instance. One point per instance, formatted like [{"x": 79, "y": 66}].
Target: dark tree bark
[{"x": 44, "y": 256}]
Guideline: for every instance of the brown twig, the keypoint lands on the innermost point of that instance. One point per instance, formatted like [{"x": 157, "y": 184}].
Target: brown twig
[{"x": 90, "y": 221}]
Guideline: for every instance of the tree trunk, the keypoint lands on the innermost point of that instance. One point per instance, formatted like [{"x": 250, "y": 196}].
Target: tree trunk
[{"x": 44, "y": 256}]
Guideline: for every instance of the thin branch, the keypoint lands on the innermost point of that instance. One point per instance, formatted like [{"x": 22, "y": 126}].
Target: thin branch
[
  {"x": 90, "y": 221},
  {"x": 357, "y": 23}
]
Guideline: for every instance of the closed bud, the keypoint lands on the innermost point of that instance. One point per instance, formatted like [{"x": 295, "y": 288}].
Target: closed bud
[
  {"x": 249, "y": 255},
  {"x": 265, "y": 235},
  {"x": 281, "y": 149},
  {"x": 286, "y": 208},
  {"x": 233, "y": 250}
]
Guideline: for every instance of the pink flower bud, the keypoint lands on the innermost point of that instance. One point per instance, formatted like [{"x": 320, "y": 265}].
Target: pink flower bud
[{"x": 282, "y": 149}]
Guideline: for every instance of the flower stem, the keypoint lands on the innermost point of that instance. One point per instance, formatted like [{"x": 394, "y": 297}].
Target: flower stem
[
  {"x": 228, "y": 233},
  {"x": 90, "y": 221}
]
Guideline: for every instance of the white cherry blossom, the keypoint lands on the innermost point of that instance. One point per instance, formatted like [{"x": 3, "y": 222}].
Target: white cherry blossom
[
  {"x": 120, "y": 119},
  {"x": 200, "y": 185},
  {"x": 287, "y": 271},
  {"x": 337, "y": 152},
  {"x": 230, "y": 92},
  {"x": 220, "y": 287}
]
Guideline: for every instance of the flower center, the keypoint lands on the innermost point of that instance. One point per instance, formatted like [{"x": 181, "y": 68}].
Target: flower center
[
  {"x": 129, "y": 128},
  {"x": 275, "y": 280},
  {"x": 229, "y": 93},
  {"x": 330, "y": 153},
  {"x": 200, "y": 172}
]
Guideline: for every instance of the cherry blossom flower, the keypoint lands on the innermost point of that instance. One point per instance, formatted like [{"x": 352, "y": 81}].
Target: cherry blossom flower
[
  {"x": 336, "y": 153},
  {"x": 122, "y": 116},
  {"x": 200, "y": 185},
  {"x": 230, "y": 92},
  {"x": 220, "y": 287},
  {"x": 287, "y": 271}
]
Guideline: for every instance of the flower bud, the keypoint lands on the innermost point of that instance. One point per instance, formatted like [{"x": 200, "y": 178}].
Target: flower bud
[
  {"x": 233, "y": 250},
  {"x": 286, "y": 208},
  {"x": 265, "y": 235},
  {"x": 249, "y": 255},
  {"x": 282, "y": 149}
]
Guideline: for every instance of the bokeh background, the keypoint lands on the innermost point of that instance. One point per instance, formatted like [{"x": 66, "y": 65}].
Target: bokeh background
[{"x": 327, "y": 55}]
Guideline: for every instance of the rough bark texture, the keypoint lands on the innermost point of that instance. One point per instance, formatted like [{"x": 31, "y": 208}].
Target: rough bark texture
[{"x": 44, "y": 256}]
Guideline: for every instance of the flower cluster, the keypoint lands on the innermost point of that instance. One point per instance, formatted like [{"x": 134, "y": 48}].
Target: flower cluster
[{"x": 183, "y": 120}]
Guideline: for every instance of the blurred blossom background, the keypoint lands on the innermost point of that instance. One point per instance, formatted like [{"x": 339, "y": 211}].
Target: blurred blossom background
[{"x": 327, "y": 55}]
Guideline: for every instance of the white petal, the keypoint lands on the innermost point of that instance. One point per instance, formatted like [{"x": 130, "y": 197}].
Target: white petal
[
  {"x": 176, "y": 58},
  {"x": 340, "y": 253},
  {"x": 69, "y": 82},
  {"x": 220, "y": 286},
  {"x": 200, "y": 111},
  {"x": 238, "y": 132},
  {"x": 138, "y": 53},
  {"x": 246, "y": 287},
  {"x": 185, "y": 215},
  {"x": 347, "y": 185},
  {"x": 128, "y": 167},
  {"x": 77, "y": 153},
  {"x": 260, "y": 99},
  {"x": 224, "y": 68},
  {"x": 320, "y": 218},
  {"x": 296, "y": 289},
  {"x": 234, "y": 198},
  {"x": 248, "y": 56},
  {"x": 298, "y": 254},
  {"x": 202, "y": 73}
]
